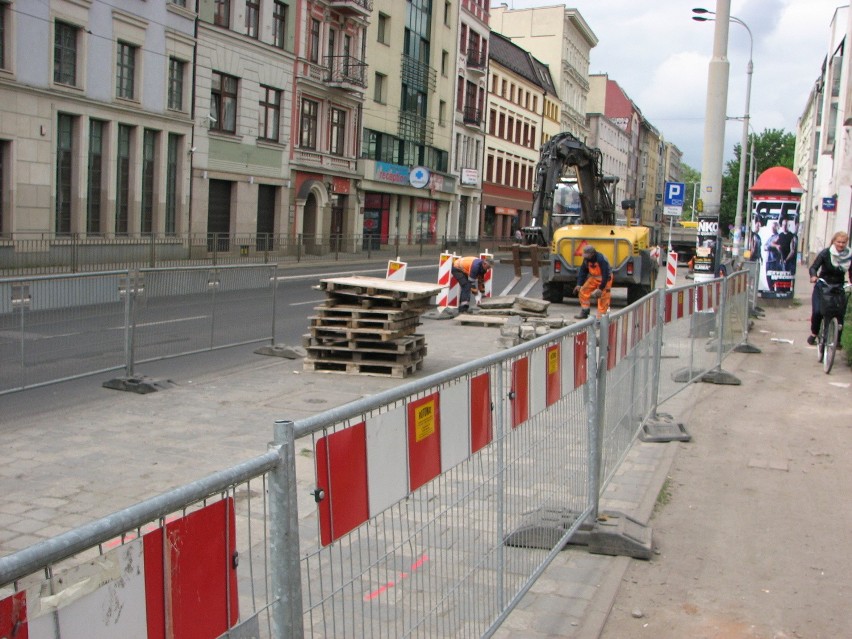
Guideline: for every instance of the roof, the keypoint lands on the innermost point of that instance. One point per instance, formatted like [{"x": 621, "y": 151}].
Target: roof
[
  {"x": 503, "y": 51},
  {"x": 778, "y": 179}
]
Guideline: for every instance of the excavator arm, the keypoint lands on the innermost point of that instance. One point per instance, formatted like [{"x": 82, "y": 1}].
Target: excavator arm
[{"x": 559, "y": 155}]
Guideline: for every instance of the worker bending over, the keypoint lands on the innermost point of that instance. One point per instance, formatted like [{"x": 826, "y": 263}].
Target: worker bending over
[
  {"x": 593, "y": 281},
  {"x": 470, "y": 274}
]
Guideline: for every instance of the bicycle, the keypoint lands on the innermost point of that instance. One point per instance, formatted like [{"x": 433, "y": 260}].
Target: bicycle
[{"x": 832, "y": 305}]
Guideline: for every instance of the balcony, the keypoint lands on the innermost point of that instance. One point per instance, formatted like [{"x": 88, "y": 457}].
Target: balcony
[
  {"x": 346, "y": 72},
  {"x": 362, "y": 8},
  {"x": 477, "y": 59},
  {"x": 472, "y": 116}
]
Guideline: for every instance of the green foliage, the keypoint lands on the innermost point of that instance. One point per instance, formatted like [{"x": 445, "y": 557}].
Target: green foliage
[
  {"x": 692, "y": 179},
  {"x": 772, "y": 147}
]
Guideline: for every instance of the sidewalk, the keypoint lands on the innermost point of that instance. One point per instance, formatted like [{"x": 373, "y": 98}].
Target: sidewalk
[{"x": 66, "y": 467}]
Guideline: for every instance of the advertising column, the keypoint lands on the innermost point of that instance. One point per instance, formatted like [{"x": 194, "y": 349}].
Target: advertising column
[{"x": 774, "y": 239}]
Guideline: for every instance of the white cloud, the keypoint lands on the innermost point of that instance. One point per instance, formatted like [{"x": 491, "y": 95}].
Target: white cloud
[{"x": 660, "y": 56}]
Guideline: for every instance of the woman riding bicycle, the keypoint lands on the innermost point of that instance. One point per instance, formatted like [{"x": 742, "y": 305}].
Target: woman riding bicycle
[{"x": 832, "y": 266}]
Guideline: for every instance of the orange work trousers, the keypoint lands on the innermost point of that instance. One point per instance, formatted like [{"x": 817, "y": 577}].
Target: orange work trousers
[{"x": 588, "y": 288}]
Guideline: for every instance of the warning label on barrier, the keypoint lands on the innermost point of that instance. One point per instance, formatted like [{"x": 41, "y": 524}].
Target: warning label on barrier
[{"x": 424, "y": 421}]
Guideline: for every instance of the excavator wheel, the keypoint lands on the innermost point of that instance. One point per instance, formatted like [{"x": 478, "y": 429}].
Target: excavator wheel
[
  {"x": 553, "y": 292},
  {"x": 636, "y": 292}
]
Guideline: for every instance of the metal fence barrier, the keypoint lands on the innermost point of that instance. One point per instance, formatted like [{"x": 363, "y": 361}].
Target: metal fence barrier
[
  {"x": 438, "y": 502},
  {"x": 60, "y": 327},
  {"x": 77, "y": 253}
]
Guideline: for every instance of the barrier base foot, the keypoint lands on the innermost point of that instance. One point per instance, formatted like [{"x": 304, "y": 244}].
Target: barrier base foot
[
  {"x": 663, "y": 429},
  {"x": 617, "y": 534},
  {"x": 684, "y": 375},
  {"x": 720, "y": 377},
  {"x": 542, "y": 529},
  {"x": 282, "y": 350},
  {"x": 745, "y": 347},
  {"x": 140, "y": 384}
]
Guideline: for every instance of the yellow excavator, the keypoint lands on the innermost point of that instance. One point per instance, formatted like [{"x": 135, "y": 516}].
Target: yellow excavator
[{"x": 565, "y": 159}]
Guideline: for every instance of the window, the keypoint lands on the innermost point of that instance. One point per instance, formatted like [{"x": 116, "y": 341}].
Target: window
[
  {"x": 447, "y": 10},
  {"x": 64, "y": 54},
  {"x": 337, "y": 145},
  {"x": 379, "y": 88},
  {"x": 180, "y": 3},
  {"x": 314, "y": 42},
  {"x": 445, "y": 62},
  {"x": 279, "y": 24},
  {"x": 383, "y": 29},
  {"x": 308, "y": 124},
  {"x": 64, "y": 168},
  {"x": 96, "y": 176},
  {"x": 176, "y": 72},
  {"x": 122, "y": 179},
  {"x": 3, "y": 188},
  {"x": 269, "y": 113},
  {"x": 442, "y": 112},
  {"x": 171, "y": 183},
  {"x": 149, "y": 149},
  {"x": 2, "y": 35},
  {"x": 252, "y": 17},
  {"x": 223, "y": 103},
  {"x": 125, "y": 71},
  {"x": 460, "y": 93},
  {"x": 222, "y": 13}
]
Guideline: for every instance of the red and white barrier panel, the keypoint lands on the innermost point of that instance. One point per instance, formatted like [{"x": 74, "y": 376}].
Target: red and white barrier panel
[
  {"x": 126, "y": 592},
  {"x": 396, "y": 270},
  {"x": 489, "y": 284},
  {"x": 671, "y": 269},
  {"x": 450, "y": 289},
  {"x": 364, "y": 469}
]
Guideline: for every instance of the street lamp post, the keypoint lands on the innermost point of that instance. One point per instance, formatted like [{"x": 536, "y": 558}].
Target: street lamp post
[{"x": 738, "y": 217}]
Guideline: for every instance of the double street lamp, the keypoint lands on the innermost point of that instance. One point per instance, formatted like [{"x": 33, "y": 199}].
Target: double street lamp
[{"x": 701, "y": 16}]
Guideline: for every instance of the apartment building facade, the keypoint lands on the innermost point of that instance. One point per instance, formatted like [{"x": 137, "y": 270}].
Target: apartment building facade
[
  {"x": 466, "y": 158},
  {"x": 518, "y": 85},
  {"x": 561, "y": 39},
  {"x": 614, "y": 144},
  {"x": 823, "y": 156},
  {"x": 95, "y": 118},
  {"x": 406, "y": 188}
]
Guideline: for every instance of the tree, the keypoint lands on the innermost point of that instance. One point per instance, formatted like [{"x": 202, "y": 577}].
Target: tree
[
  {"x": 692, "y": 179},
  {"x": 772, "y": 147}
]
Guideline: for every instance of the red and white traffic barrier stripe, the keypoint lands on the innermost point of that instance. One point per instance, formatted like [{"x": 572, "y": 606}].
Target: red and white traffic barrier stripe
[
  {"x": 136, "y": 591},
  {"x": 396, "y": 270},
  {"x": 489, "y": 285},
  {"x": 671, "y": 269},
  {"x": 364, "y": 469},
  {"x": 450, "y": 291}
]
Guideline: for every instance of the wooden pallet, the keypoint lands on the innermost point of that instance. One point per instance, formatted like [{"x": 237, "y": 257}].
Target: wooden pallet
[
  {"x": 332, "y": 354},
  {"x": 380, "y": 288},
  {"x": 371, "y": 323},
  {"x": 402, "y": 345},
  {"x": 368, "y": 334},
  {"x": 361, "y": 368},
  {"x": 350, "y": 298}
]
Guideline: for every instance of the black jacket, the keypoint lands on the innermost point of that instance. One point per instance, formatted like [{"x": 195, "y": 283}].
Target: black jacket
[{"x": 823, "y": 268}]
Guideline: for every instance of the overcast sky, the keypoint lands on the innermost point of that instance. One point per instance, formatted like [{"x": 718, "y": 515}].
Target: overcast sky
[{"x": 660, "y": 56}]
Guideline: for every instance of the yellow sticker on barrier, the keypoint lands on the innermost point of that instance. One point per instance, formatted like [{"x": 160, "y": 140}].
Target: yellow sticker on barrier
[{"x": 424, "y": 424}]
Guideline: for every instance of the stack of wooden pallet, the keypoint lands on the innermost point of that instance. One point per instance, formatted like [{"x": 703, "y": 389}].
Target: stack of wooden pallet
[{"x": 367, "y": 325}]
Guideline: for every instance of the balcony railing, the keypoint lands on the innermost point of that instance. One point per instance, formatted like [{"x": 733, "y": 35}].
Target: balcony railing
[
  {"x": 346, "y": 72},
  {"x": 472, "y": 115},
  {"x": 359, "y": 7},
  {"x": 415, "y": 128},
  {"x": 477, "y": 59}
]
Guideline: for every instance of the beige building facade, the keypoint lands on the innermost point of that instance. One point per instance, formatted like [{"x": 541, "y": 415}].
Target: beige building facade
[{"x": 561, "y": 39}]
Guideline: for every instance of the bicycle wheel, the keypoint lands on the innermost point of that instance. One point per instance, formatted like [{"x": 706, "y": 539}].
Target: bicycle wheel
[
  {"x": 821, "y": 343},
  {"x": 830, "y": 344}
]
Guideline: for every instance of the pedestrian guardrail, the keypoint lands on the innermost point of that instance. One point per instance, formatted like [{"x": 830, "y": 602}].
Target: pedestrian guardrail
[{"x": 437, "y": 503}]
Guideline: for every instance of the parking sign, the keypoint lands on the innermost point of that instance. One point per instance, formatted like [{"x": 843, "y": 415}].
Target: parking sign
[
  {"x": 673, "y": 198},
  {"x": 675, "y": 192}
]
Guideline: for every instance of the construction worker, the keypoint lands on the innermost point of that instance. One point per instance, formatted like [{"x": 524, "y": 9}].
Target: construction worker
[
  {"x": 594, "y": 281},
  {"x": 470, "y": 274}
]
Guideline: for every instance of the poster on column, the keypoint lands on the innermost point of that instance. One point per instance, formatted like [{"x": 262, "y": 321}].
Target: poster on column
[
  {"x": 774, "y": 242},
  {"x": 704, "y": 263}
]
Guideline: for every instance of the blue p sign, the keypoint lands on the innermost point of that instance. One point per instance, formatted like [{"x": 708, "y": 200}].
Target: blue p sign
[{"x": 675, "y": 192}]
